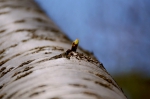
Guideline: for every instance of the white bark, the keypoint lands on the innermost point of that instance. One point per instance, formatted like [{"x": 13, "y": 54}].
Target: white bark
[{"x": 33, "y": 63}]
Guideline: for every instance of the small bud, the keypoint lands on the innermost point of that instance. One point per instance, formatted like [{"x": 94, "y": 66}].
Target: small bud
[{"x": 75, "y": 45}]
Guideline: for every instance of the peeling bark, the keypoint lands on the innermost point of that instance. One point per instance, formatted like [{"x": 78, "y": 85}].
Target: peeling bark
[{"x": 34, "y": 63}]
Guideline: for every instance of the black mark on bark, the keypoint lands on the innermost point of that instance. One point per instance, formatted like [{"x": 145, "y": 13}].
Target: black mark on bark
[
  {"x": 16, "y": 73},
  {"x": 36, "y": 93},
  {"x": 28, "y": 30},
  {"x": 39, "y": 20},
  {"x": 9, "y": 6},
  {"x": 13, "y": 45},
  {"x": 35, "y": 10},
  {"x": 1, "y": 86},
  {"x": 2, "y": 69},
  {"x": 25, "y": 63},
  {"x": 40, "y": 86},
  {"x": 19, "y": 21},
  {"x": 2, "y": 51},
  {"x": 92, "y": 94},
  {"x": 26, "y": 40},
  {"x": 78, "y": 85},
  {"x": 55, "y": 30},
  {"x": 5, "y": 72},
  {"x": 1, "y": 13},
  {"x": 11, "y": 95},
  {"x": 104, "y": 85},
  {"x": 47, "y": 52},
  {"x": 2, "y": 31},
  {"x": 1, "y": 57},
  {"x": 54, "y": 98},
  {"x": 87, "y": 79},
  {"x": 4, "y": 61},
  {"x": 2, "y": 95},
  {"x": 23, "y": 75},
  {"x": 25, "y": 69},
  {"x": 107, "y": 79}
]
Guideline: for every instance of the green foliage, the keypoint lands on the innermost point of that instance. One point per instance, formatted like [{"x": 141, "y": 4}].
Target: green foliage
[{"x": 134, "y": 85}]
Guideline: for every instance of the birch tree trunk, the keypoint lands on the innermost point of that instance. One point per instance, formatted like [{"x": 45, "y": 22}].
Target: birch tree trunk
[{"x": 34, "y": 63}]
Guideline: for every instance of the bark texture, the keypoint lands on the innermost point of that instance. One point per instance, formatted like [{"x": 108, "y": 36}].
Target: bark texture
[{"x": 34, "y": 63}]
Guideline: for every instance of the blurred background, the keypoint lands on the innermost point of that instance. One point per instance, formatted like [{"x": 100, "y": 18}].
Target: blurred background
[{"x": 117, "y": 32}]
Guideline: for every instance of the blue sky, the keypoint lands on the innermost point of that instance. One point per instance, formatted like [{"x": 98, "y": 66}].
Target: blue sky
[{"x": 117, "y": 32}]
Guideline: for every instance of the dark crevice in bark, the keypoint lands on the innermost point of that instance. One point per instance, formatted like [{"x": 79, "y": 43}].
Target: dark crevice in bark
[
  {"x": 2, "y": 95},
  {"x": 4, "y": 61},
  {"x": 87, "y": 79},
  {"x": 48, "y": 53},
  {"x": 104, "y": 85},
  {"x": 16, "y": 73},
  {"x": 25, "y": 63},
  {"x": 20, "y": 21},
  {"x": 1, "y": 86},
  {"x": 109, "y": 81},
  {"x": 1, "y": 13},
  {"x": 19, "y": 30},
  {"x": 11, "y": 95},
  {"x": 22, "y": 8},
  {"x": 28, "y": 30},
  {"x": 40, "y": 20},
  {"x": 3, "y": 50},
  {"x": 2, "y": 31},
  {"x": 106, "y": 79},
  {"x": 34, "y": 35},
  {"x": 36, "y": 93},
  {"x": 24, "y": 70},
  {"x": 54, "y": 98},
  {"x": 43, "y": 48},
  {"x": 40, "y": 86},
  {"x": 92, "y": 94},
  {"x": 77, "y": 55},
  {"x": 78, "y": 85},
  {"x": 1, "y": 57},
  {"x": 23, "y": 75},
  {"x": 36, "y": 19},
  {"x": 5, "y": 72},
  {"x": 2, "y": 69},
  {"x": 25, "y": 40}
]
